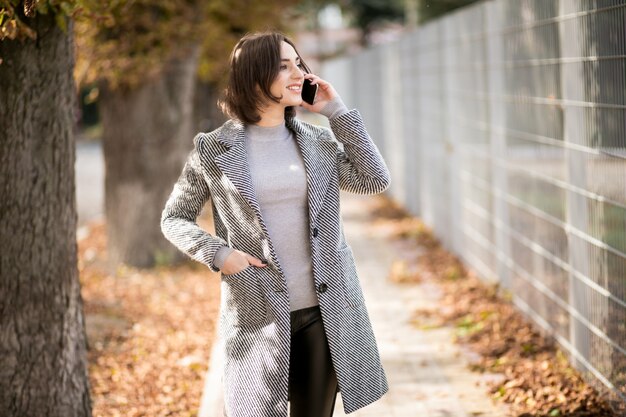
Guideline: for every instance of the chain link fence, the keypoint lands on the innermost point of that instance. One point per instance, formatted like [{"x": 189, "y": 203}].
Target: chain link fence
[{"x": 504, "y": 126}]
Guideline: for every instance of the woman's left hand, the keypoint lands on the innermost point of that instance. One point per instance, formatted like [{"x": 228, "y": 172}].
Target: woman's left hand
[{"x": 325, "y": 93}]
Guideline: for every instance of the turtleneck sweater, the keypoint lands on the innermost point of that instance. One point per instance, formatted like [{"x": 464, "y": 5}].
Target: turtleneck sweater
[{"x": 279, "y": 181}]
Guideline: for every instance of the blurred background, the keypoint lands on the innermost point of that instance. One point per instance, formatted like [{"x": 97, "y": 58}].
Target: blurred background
[{"x": 503, "y": 123}]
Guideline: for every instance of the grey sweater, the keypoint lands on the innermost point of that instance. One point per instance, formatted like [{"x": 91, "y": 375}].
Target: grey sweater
[{"x": 279, "y": 181}]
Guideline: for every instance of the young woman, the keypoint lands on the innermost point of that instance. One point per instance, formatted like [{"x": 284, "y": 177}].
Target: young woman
[{"x": 292, "y": 317}]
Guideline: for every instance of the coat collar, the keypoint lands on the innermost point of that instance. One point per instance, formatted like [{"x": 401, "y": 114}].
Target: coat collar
[
  {"x": 319, "y": 158},
  {"x": 232, "y": 132}
]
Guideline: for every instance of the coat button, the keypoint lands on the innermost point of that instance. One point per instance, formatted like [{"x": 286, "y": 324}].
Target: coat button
[
  {"x": 323, "y": 287},
  {"x": 315, "y": 232}
]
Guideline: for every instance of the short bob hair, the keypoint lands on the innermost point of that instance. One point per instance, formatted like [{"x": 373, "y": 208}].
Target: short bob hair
[{"x": 254, "y": 64}]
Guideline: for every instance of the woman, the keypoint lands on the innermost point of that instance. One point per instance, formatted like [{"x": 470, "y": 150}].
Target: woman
[{"x": 292, "y": 315}]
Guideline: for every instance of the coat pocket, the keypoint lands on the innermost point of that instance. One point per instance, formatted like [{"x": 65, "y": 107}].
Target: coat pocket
[
  {"x": 350, "y": 278},
  {"x": 242, "y": 299}
]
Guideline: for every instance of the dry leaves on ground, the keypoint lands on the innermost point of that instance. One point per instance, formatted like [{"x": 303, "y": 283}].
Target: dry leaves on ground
[
  {"x": 150, "y": 333},
  {"x": 537, "y": 378}
]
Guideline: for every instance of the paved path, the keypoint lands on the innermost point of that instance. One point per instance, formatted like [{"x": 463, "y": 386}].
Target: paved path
[
  {"x": 89, "y": 181},
  {"x": 427, "y": 373}
]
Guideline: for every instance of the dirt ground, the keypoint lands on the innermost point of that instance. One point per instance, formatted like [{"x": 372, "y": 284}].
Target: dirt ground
[{"x": 150, "y": 333}]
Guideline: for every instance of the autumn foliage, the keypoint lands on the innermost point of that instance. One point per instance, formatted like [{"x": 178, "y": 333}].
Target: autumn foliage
[
  {"x": 150, "y": 332},
  {"x": 535, "y": 376}
]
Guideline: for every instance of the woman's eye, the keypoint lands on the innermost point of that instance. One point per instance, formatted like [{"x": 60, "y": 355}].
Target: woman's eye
[{"x": 282, "y": 67}]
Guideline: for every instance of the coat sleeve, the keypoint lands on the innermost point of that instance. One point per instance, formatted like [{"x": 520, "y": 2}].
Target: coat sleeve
[
  {"x": 362, "y": 169},
  {"x": 178, "y": 219}
]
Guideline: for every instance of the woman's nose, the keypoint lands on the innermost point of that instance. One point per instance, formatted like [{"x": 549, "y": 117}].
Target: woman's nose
[{"x": 298, "y": 73}]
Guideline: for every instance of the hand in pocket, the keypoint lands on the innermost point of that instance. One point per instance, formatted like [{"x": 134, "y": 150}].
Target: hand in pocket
[{"x": 238, "y": 260}]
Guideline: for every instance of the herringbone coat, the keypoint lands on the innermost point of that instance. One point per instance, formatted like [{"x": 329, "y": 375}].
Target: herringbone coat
[{"x": 254, "y": 312}]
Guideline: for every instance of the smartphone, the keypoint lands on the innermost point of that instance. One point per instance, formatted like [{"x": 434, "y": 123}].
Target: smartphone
[{"x": 309, "y": 91}]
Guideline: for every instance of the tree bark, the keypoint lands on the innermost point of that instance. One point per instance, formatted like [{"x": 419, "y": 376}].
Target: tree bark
[
  {"x": 147, "y": 134},
  {"x": 43, "y": 366}
]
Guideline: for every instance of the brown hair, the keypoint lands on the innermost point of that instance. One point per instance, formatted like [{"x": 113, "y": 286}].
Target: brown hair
[{"x": 254, "y": 64}]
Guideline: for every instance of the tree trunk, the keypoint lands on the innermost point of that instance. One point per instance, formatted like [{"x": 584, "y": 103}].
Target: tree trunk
[
  {"x": 147, "y": 135},
  {"x": 43, "y": 366},
  {"x": 206, "y": 115}
]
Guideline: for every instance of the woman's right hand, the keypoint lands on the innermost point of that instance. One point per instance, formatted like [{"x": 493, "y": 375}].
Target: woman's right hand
[{"x": 237, "y": 261}]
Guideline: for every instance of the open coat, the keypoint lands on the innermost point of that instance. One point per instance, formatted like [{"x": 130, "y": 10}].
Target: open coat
[{"x": 254, "y": 321}]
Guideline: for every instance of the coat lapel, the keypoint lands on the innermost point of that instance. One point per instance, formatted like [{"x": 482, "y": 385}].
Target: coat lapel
[
  {"x": 319, "y": 157},
  {"x": 234, "y": 163}
]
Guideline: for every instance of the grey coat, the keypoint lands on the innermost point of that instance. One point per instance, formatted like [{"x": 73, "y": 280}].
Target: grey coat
[{"x": 254, "y": 318}]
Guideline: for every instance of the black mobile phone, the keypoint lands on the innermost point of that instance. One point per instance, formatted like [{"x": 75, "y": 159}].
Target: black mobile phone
[{"x": 309, "y": 91}]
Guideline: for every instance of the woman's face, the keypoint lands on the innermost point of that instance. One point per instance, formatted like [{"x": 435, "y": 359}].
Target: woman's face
[{"x": 288, "y": 82}]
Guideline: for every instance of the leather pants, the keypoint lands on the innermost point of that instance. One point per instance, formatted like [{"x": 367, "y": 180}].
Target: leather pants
[{"x": 312, "y": 378}]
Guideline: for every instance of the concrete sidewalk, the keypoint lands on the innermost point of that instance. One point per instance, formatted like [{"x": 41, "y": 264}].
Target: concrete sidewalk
[{"x": 427, "y": 373}]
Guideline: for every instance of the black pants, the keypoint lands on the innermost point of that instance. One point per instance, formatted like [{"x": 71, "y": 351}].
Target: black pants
[{"x": 312, "y": 378}]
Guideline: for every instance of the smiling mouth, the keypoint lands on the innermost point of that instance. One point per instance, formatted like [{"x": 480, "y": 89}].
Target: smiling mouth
[{"x": 294, "y": 89}]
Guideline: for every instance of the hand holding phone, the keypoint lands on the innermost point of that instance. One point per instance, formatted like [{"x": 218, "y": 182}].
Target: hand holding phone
[
  {"x": 309, "y": 91},
  {"x": 316, "y": 93}
]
